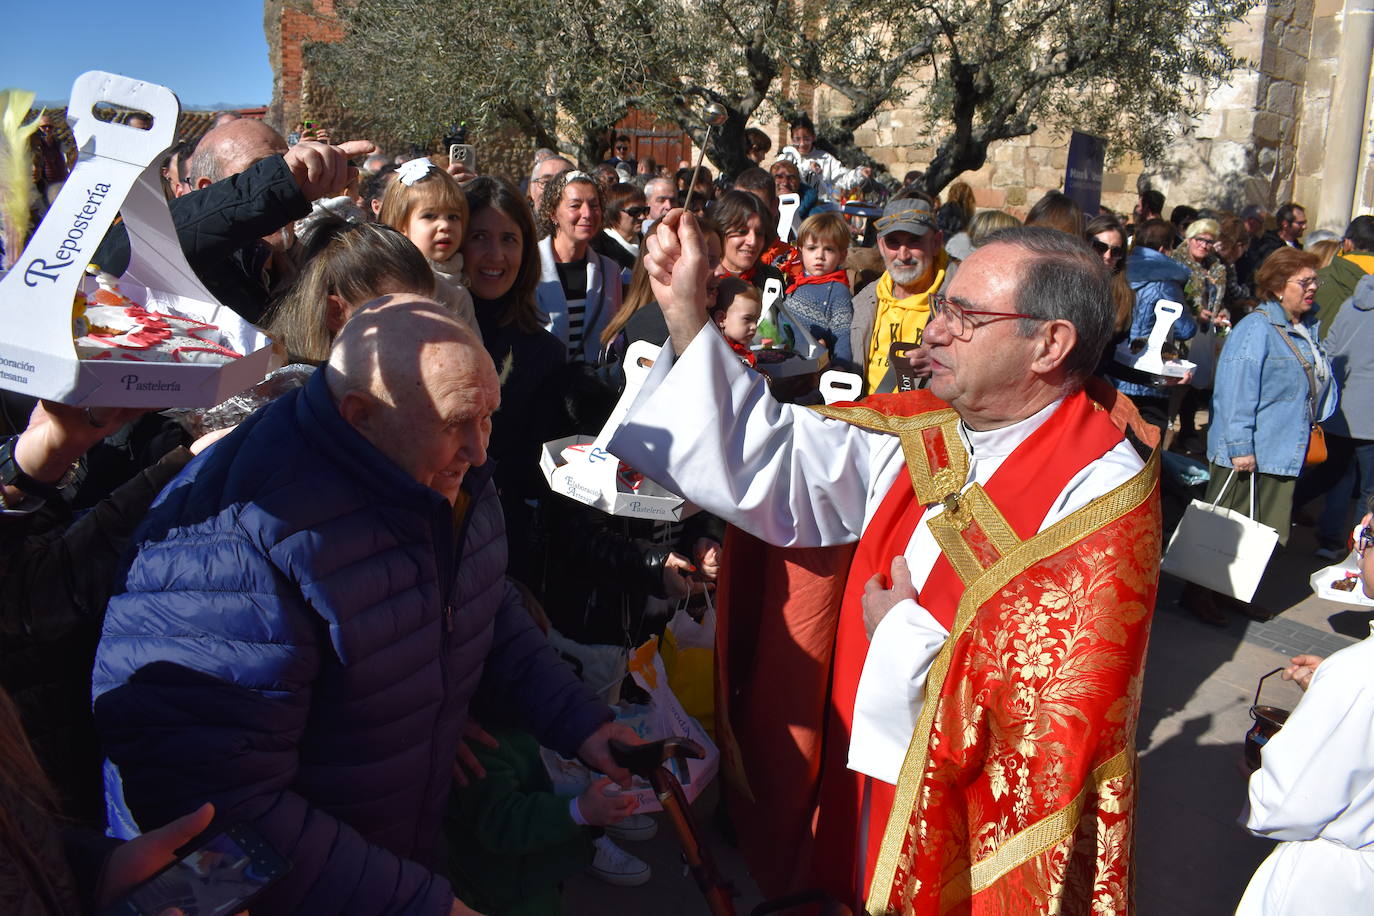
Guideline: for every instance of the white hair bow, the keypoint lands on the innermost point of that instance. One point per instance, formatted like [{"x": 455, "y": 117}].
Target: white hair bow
[{"x": 414, "y": 170}]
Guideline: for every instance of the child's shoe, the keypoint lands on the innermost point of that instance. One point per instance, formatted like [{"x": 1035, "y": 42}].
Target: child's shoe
[{"x": 616, "y": 866}]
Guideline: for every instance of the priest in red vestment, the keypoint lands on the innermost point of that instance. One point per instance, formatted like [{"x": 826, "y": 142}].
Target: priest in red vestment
[{"x": 941, "y": 718}]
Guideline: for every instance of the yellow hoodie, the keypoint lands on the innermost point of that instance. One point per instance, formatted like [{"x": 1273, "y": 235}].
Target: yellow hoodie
[{"x": 898, "y": 321}]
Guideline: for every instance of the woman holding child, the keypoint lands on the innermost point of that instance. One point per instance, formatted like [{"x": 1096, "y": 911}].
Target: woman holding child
[{"x": 746, "y": 225}]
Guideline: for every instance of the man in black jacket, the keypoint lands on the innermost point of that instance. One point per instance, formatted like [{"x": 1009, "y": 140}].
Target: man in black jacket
[
  {"x": 1291, "y": 220},
  {"x": 250, "y": 188}
]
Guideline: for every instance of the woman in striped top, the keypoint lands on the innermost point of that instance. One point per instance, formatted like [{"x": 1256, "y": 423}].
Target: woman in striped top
[{"x": 579, "y": 289}]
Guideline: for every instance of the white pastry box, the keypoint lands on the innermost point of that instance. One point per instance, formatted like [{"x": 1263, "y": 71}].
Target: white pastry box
[
  {"x": 580, "y": 468},
  {"x": 808, "y": 356},
  {"x": 663, "y": 717},
  {"x": 1151, "y": 358},
  {"x": 118, "y": 171}
]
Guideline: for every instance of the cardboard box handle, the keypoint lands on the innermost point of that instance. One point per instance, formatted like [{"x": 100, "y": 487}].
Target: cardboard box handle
[{"x": 120, "y": 141}]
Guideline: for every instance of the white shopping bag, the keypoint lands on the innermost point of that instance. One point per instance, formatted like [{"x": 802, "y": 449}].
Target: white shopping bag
[
  {"x": 1220, "y": 549},
  {"x": 1151, "y": 358},
  {"x": 806, "y": 357},
  {"x": 788, "y": 205},
  {"x": 664, "y": 717},
  {"x": 117, "y": 171}
]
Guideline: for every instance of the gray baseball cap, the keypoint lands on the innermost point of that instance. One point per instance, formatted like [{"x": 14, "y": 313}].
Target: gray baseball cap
[{"x": 907, "y": 214}]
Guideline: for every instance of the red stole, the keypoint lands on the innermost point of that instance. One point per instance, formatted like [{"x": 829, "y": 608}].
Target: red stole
[{"x": 1023, "y": 489}]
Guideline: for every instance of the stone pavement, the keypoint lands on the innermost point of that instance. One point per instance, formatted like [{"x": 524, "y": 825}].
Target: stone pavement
[
  {"x": 1200, "y": 681},
  {"x": 1192, "y": 857}
]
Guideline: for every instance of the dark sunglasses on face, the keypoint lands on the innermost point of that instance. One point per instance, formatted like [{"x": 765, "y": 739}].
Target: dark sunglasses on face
[
  {"x": 1365, "y": 539},
  {"x": 636, "y": 212},
  {"x": 1102, "y": 247}
]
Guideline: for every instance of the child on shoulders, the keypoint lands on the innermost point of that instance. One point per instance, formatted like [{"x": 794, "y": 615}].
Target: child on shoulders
[{"x": 819, "y": 169}]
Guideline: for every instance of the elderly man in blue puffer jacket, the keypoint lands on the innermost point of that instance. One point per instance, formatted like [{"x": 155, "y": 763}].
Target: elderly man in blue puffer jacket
[{"x": 303, "y": 626}]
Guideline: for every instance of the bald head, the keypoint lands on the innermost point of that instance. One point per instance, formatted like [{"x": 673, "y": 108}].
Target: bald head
[
  {"x": 380, "y": 350},
  {"x": 232, "y": 147},
  {"x": 418, "y": 385}
]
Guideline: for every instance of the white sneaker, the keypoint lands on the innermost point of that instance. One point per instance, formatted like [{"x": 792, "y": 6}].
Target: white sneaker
[
  {"x": 634, "y": 829},
  {"x": 616, "y": 866}
]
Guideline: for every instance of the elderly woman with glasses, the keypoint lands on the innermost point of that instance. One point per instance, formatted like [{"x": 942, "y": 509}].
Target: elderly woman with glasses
[
  {"x": 1206, "y": 289},
  {"x": 1273, "y": 384},
  {"x": 1205, "y": 295},
  {"x": 1314, "y": 791}
]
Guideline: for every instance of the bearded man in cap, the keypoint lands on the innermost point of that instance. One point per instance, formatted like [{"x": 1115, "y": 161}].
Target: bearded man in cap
[{"x": 895, "y": 307}]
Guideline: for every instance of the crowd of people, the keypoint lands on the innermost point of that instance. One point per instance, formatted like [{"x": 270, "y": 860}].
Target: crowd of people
[{"x": 353, "y": 616}]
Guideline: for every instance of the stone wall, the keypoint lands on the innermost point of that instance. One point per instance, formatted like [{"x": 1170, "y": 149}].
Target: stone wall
[{"x": 1261, "y": 139}]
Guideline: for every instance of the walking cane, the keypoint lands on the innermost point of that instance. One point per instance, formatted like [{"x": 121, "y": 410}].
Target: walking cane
[{"x": 650, "y": 761}]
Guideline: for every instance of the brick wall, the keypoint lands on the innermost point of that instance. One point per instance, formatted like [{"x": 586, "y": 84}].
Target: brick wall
[{"x": 289, "y": 25}]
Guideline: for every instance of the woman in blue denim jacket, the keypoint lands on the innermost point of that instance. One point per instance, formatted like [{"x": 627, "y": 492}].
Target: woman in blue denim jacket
[{"x": 1272, "y": 383}]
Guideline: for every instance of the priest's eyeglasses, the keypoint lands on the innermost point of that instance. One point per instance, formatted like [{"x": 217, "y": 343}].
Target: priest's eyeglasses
[{"x": 960, "y": 321}]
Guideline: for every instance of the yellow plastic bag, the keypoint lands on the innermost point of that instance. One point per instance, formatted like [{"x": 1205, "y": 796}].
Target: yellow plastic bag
[{"x": 689, "y": 658}]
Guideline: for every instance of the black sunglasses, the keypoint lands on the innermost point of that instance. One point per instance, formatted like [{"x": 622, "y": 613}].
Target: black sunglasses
[
  {"x": 1102, "y": 247},
  {"x": 636, "y": 212}
]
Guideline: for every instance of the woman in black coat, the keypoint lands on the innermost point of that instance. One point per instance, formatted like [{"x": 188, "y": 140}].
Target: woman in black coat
[{"x": 501, "y": 258}]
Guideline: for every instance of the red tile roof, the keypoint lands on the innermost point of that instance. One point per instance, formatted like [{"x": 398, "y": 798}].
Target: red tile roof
[{"x": 192, "y": 125}]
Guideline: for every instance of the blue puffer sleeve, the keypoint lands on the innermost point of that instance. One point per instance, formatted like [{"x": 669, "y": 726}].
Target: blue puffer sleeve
[
  {"x": 526, "y": 678},
  {"x": 203, "y": 686}
]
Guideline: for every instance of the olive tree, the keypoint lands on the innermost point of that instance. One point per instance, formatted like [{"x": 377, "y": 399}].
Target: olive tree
[
  {"x": 979, "y": 71},
  {"x": 549, "y": 69},
  {"x": 991, "y": 70}
]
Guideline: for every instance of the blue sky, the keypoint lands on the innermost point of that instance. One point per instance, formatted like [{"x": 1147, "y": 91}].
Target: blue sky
[{"x": 204, "y": 52}]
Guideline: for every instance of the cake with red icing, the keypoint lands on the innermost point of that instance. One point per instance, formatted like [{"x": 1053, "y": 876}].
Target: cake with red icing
[{"x": 116, "y": 327}]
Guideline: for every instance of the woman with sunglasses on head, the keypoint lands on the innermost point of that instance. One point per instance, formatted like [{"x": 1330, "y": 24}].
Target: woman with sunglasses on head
[
  {"x": 1314, "y": 790},
  {"x": 1273, "y": 383}
]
